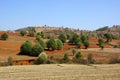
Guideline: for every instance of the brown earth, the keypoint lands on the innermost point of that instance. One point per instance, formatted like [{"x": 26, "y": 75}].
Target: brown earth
[{"x": 11, "y": 47}]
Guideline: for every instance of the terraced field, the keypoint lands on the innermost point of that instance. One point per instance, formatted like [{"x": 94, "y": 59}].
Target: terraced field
[{"x": 61, "y": 72}]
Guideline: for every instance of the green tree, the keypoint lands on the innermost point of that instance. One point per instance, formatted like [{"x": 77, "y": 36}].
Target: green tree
[
  {"x": 42, "y": 58},
  {"x": 108, "y": 36},
  {"x": 79, "y": 44},
  {"x": 101, "y": 43},
  {"x": 4, "y": 36},
  {"x": 62, "y": 38},
  {"x": 74, "y": 38},
  {"x": 31, "y": 33},
  {"x": 39, "y": 33},
  {"x": 78, "y": 55},
  {"x": 86, "y": 44},
  {"x": 59, "y": 44},
  {"x": 52, "y": 44},
  {"x": 36, "y": 50},
  {"x": 65, "y": 57},
  {"x": 83, "y": 38},
  {"x": 42, "y": 43},
  {"x": 26, "y": 48},
  {"x": 23, "y": 32},
  {"x": 38, "y": 37}
]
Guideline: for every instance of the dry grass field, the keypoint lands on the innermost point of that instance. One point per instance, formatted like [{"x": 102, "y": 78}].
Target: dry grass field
[{"x": 61, "y": 72}]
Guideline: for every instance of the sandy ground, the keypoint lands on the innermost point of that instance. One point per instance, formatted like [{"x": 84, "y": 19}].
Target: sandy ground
[{"x": 61, "y": 72}]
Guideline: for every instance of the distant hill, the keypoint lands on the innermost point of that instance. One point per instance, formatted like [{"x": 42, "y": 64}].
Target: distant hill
[{"x": 115, "y": 29}]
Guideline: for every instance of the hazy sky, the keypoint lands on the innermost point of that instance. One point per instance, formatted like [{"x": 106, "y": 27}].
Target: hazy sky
[{"x": 82, "y": 14}]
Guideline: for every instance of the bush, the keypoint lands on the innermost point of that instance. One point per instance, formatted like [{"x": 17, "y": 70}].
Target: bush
[
  {"x": 38, "y": 37},
  {"x": 26, "y": 48},
  {"x": 74, "y": 39},
  {"x": 36, "y": 50},
  {"x": 51, "y": 44},
  {"x": 31, "y": 33},
  {"x": 86, "y": 44},
  {"x": 59, "y": 44},
  {"x": 4, "y": 36},
  {"x": 10, "y": 61},
  {"x": 74, "y": 51},
  {"x": 78, "y": 55},
  {"x": 101, "y": 43},
  {"x": 90, "y": 59},
  {"x": 65, "y": 57},
  {"x": 84, "y": 38},
  {"x": 42, "y": 43},
  {"x": 42, "y": 58},
  {"x": 79, "y": 44},
  {"x": 23, "y": 32},
  {"x": 62, "y": 38}
]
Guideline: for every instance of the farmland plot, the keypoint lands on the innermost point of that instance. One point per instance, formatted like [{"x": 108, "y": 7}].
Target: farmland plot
[{"x": 61, "y": 72}]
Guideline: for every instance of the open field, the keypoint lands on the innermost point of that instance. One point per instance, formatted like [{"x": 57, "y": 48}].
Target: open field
[{"x": 61, "y": 72}]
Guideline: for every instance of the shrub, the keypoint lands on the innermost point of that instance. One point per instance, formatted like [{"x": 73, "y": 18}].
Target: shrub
[
  {"x": 62, "y": 38},
  {"x": 10, "y": 61},
  {"x": 36, "y": 50},
  {"x": 38, "y": 37},
  {"x": 79, "y": 44},
  {"x": 90, "y": 59},
  {"x": 74, "y": 51},
  {"x": 31, "y": 33},
  {"x": 42, "y": 58},
  {"x": 101, "y": 43},
  {"x": 78, "y": 55},
  {"x": 39, "y": 33},
  {"x": 86, "y": 44},
  {"x": 108, "y": 36},
  {"x": 84, "y": 38},
  {"x": 23, "y": 32},
  {"x": 74, "y": 39},
  {"x": 59, "y": 44},
  {"x": 65, "y": 57},
  {"x": 42, "y": 43},
  {"x": 26, "y": 48},
  {"x": 4, "y": 36},
  {"x": 52, "y": 44}
]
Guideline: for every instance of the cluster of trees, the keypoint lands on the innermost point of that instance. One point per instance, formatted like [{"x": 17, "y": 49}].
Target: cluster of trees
[
  {"x": 4, "y": 36},
  {"x": 79, "y": 40},
  {"x": 31, "y": 32}
]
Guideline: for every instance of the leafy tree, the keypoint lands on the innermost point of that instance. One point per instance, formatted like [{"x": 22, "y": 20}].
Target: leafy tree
[
  {"x": 36, "y": 50},
  {"x": 33, "y": 29},
  {"x": 59, "y": 44},
  {"x": 74, "y": 51},
  {"x": 62, "y": 38},
  {"x": 65, "y": 57},
  {"x": 23, "y": 32},
  {"x": 101, "y": 43},
  {"x": 4, "y": 36},
  {"x": 26, "y": 48},
  {"x": 42, "y": 58},
  {"x": 83, "y": 38},
  {"x": 74, "y": 39},
  {"x": 42, "y": 34},
  {"x": 86, "y": 44},
  {"x": 39, "y": 33},
  {"x": 79, "y": 44},
  {"x": 52, "y": 44},
  {"x": 78, "y": 55},
  {"x": 31, "y": 33},
  {"x": 108, "y": 37},
  {"x": 38, "y": 37},
  {"x": 42, "y": 43}
]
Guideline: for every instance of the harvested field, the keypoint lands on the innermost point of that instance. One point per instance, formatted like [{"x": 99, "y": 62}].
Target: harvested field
[{"x": 61, "y": 72}]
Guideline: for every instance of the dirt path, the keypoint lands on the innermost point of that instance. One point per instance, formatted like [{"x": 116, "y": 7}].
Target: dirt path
[{"x": 61, "y": 72}]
